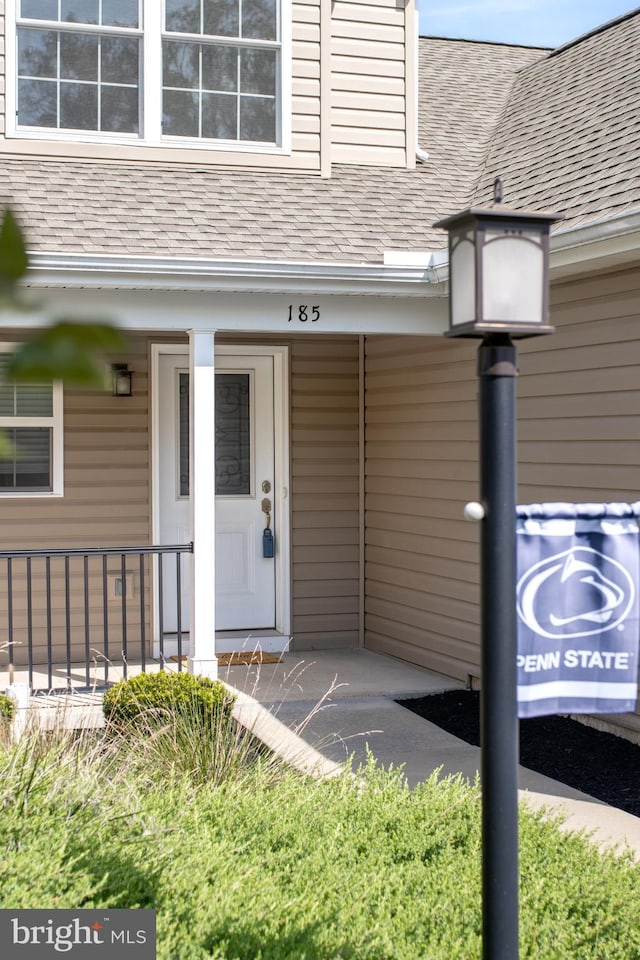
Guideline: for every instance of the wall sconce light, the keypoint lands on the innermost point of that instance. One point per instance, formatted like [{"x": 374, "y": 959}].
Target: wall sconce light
[{"x": 121, "y": 380}]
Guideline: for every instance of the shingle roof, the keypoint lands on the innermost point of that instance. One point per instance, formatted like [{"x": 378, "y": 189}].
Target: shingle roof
[
  {"x": 463, "y": 92},
  {"x": 166, "y": 209},
  {"x": 563, "y": 129},
  {"x": 569, "y": 138}
]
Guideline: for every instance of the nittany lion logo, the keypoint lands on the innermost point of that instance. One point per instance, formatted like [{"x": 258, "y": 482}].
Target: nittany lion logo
[{"x": 578, "y": 593}]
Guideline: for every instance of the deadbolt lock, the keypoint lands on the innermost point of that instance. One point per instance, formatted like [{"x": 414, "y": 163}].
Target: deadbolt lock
[{"x": 266, "y": 486}]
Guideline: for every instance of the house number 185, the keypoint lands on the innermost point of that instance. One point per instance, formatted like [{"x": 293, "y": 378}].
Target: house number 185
[{"x": 303, "y": 313}]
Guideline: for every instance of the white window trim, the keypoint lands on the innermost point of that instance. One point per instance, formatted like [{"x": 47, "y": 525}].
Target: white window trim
[
  {"x": 151, "y": 55},
  {"x": 56, "y": 422}
]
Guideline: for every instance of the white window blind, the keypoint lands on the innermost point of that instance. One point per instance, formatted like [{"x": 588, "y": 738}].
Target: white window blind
[{"x": 31, "y": 423}]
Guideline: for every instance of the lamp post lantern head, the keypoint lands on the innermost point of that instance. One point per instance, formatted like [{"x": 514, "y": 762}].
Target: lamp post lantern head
[{"x": 498, "y": 271}]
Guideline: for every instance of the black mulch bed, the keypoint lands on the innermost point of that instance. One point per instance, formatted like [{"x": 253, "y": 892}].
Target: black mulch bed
[{"x": 600, "y": 764}]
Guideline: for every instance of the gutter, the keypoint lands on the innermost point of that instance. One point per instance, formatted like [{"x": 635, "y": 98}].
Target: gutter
[
  {"x": 579, "y": 249},
  {"x": 611, "y": 242},
  {"x": 113, "y": 271}
]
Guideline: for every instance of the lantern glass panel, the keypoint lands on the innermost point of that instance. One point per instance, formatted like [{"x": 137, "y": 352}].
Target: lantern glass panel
[
  {"x": 512, "y": 278},
  {"x": 463, "y": 279}
]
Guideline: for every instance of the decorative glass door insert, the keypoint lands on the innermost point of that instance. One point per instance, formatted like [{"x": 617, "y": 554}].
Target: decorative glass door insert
[{"x": 234, "y": 473}]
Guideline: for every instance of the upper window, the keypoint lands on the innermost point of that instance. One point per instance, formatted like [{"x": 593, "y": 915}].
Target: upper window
[
  {"x": 155, "y": 70},
  {"x": 31, "y": 422}
]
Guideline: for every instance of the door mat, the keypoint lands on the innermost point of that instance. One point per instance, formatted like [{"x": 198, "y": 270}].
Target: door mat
[{"x": 247, "y": 658}]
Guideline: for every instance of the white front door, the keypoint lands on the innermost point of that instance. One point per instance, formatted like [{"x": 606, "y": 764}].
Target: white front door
[{"x": 245, "y": 584}]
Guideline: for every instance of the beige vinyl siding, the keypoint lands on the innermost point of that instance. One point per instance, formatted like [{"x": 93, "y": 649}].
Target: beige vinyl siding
[
  {"x": 305, "y": 121},
  {"x": 579, "y": 396},
  {"x": 578, "y": 430},
  {"x": 369, "y": 82},
  {"x": 107, "y": 503},
  {"x": 106, "y": 473},
  {"x": 421, "y": 601},
  {"x": 579, "y": 406},
  {"x": 324, "y": 492}
]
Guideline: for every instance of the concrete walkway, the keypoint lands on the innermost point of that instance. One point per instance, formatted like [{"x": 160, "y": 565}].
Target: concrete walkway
[
  {"x": 341, "y": 703},
  {"x": 319, "y": 709}
]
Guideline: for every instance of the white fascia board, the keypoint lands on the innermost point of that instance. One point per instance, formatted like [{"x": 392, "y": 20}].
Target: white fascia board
[
  {"x": 86, "y": 271},
  {"x": 241, "y": 311}
]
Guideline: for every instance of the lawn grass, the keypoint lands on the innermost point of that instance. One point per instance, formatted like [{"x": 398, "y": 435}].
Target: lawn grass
[{"x": 264, "y": 864}]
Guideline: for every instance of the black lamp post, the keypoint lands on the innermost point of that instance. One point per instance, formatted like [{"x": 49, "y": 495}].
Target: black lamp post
[{"x": 498, "y": 289}]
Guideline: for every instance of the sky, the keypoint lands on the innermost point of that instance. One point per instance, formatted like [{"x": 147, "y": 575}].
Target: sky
[{"x": 545, "y": 23}]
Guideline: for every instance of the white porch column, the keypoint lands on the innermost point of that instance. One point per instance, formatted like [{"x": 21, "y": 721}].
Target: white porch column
[{"x": 202, "y": 648}]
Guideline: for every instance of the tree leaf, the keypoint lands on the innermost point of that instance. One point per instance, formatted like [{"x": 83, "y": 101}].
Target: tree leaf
[
  {"x": 13, "y": 255},
  {"x": 75, "y": 352},
  {"x": 7, "y": 448}
]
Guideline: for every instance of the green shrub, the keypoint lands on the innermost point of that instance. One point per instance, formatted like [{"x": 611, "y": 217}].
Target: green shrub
[
  {"x": 157, "y": 696},
  {"x": 294, "y": 869},
  {"x": 167, "y": 724},
  {"x": 7, "y": 710}
]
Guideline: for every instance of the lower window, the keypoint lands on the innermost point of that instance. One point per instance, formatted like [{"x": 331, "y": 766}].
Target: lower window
[{"x": 31, "y": 433}]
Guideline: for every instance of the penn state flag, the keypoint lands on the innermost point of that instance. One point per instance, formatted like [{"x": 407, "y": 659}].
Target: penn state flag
[{"x": 578, "y": 609}]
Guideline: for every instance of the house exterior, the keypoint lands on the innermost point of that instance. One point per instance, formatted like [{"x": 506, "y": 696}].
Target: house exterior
[{"x": 254, "y": 193}]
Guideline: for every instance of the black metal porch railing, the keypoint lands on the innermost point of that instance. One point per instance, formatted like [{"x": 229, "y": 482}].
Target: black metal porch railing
[{"x": 93, "y": 610}]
